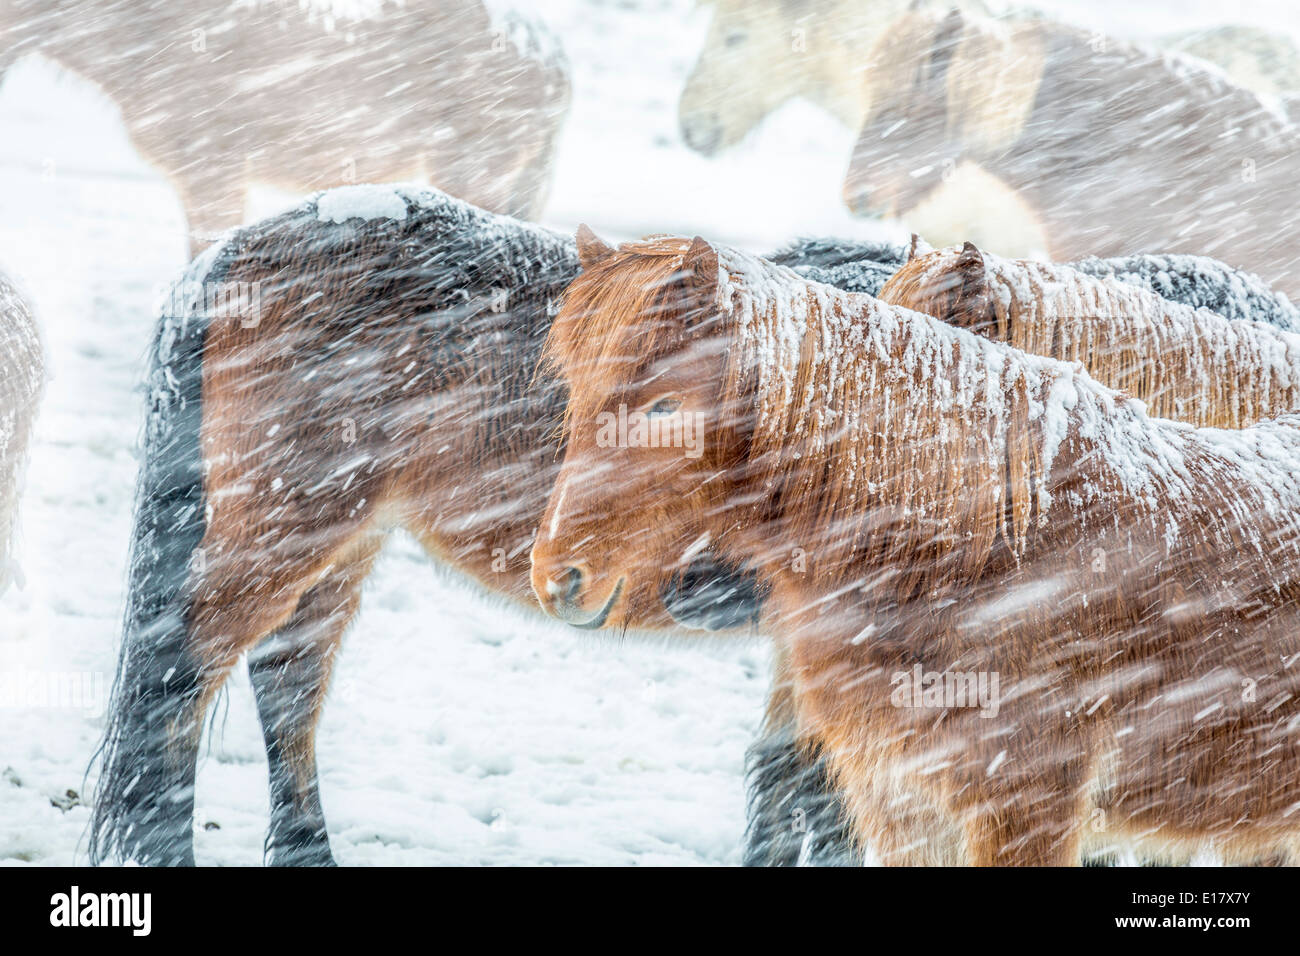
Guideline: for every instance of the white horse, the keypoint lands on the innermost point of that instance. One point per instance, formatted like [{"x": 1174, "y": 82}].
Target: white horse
[
  {"x": 219, "y": 95},
  {"x": 22, "y": 377},
  {"x": 760, "y": 54}
]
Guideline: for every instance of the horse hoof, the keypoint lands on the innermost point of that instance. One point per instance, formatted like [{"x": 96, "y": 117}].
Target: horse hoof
[{"x": 303, "y": 856}]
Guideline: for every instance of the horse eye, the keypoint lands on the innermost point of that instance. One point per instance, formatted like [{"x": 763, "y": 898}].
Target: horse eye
[
  {"x": 665, "y": 406},
  {"x": 735, "y": 38}
]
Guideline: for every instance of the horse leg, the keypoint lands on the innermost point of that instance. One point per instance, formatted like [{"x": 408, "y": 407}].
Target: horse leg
[
  {"x": 796, "y": 815},
  {"x": 290, "y": 673},
  {"x": 905, "y": 826},
  {"x": 246, "y": 590},
  {"x": 224, "y": 624},
  {"x": 144, "y": 806},
  {"x": 1034, "y": 818}
]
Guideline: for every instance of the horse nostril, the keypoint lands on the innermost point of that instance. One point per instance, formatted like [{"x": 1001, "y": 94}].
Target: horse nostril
[
  {"x": 703, "y": 135},
  {"x": 572, "y": 581},
  {"x": 566, "y": 585}
]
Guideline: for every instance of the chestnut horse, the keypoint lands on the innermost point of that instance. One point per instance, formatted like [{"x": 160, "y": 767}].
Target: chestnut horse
[
  {"x": 1188, "y": 364},
  {"x": 1015, "y": 612},
  {"x": 1116, "y": 148},
  {"x": 219, "y": 97},
  {"x": 22, "y": 378},
  {"x": 791, "y": 824},
  {"x": 364, "y": 362},
  {"x": 1198, "y": 282}
]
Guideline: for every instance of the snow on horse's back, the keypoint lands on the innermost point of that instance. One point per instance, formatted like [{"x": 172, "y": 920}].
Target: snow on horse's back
[{"x": 1184, "y": 363}]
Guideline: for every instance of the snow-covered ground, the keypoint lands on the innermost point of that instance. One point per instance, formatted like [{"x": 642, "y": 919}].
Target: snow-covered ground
[{"x": 458, "y": 730}]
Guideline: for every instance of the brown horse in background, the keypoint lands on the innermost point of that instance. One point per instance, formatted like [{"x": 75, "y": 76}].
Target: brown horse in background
[
  {"x": 1183, "y": 363},
  {"x": 1116, "y": 148},
  {"x": 22, "y": 379},
  {"x": 219, "y": 97},
  {"x": 760, "y": 54},
  {"x": 1012, "y": 605}
]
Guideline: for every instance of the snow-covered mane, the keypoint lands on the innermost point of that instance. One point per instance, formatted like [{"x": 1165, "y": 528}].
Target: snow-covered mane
[
  {"x": 1184, "y": 363},
  {"x": 896, "y": 424},
  {"x": 865, "y": 407}
]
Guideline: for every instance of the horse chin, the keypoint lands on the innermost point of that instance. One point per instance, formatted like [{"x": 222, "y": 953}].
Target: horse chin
[{"x": 597, "y": 620}]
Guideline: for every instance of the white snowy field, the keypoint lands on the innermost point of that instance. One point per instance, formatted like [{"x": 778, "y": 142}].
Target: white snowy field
[{"x": 458, "y": 730}]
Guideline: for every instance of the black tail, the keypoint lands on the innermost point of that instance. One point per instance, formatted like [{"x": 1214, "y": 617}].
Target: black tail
[{"x": 144, "y": 799}]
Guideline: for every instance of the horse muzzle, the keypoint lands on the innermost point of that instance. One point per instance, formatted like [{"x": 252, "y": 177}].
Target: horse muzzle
[
  {"x": 561, "y": 595},
  {"x": 703, "y": 133}
]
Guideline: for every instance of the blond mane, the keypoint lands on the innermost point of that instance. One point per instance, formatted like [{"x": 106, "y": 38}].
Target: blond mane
[
  {"x": 1183, "y": 363},
  {"x": 843, "y": 383}
]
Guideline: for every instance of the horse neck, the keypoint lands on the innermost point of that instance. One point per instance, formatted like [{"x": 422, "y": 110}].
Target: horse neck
[
  {"x": 1114, "y": 327},
  {"x": 876, "y": 423},
  {"x": 890, "y": 444}
]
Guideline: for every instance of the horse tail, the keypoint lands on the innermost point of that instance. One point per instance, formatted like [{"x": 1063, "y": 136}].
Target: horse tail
[{"x": 144, "y": 797}]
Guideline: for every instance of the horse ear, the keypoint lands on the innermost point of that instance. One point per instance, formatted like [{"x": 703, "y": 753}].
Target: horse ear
[
  {"x": 701, "y": 262},
  {"x": 918, "y": 247},
  {"x": 974, "y": 309},
  {"x": 591, "y": 248},
  {"x": 970, "y": 259},
  {"x": 953, "y": 24}
]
